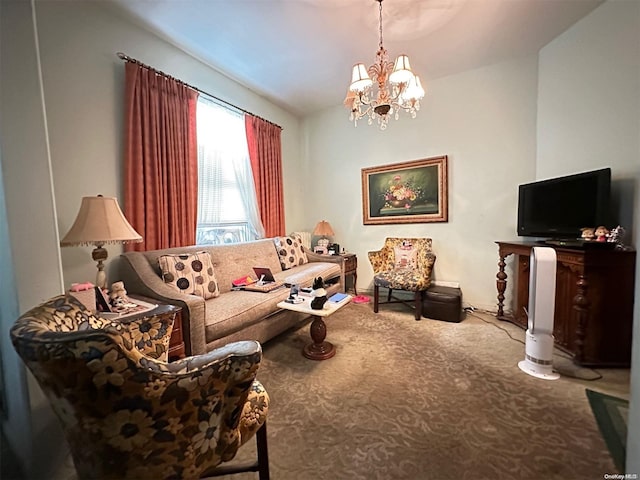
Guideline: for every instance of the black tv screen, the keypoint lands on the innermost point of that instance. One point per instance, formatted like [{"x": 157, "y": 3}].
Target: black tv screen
[{"x": 561, "y": 207}]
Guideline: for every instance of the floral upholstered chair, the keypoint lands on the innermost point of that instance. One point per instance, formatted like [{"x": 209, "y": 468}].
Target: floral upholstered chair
[
  {"x": 402, "y": 264},
  {"x": 126, "y": 412}
]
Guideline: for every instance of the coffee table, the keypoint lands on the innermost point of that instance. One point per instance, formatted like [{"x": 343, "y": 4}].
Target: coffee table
[{"x": 319, "y": 349}]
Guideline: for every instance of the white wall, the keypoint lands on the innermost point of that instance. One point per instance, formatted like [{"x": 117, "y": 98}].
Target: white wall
[
  {"x": 588, "y": 101},
  {"x": 15, "y": 421},
  {"x": 484, "y": 120},
  {"x": 589, "y": 117},
  {"x": 31, "y": 242},
  {"x": 84, "y": 89}
]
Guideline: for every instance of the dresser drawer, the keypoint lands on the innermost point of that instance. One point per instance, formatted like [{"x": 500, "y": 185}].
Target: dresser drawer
[{"x": 350, "y": 263}]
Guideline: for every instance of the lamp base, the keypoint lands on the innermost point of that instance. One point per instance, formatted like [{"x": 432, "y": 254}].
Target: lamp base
[
  {"x": 101, "y": 279},
  {"x": 100, "y": 254}
]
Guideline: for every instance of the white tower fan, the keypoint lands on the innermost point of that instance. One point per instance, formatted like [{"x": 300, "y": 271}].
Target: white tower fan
[{"x": 538, "y": 358}]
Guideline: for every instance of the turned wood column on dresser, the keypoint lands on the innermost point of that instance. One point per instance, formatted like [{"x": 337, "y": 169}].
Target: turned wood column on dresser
[{"x": 594, "y": 299}]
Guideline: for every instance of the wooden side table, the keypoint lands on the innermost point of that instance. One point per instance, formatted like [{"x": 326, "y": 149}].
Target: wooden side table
[
  {"x": 351, "y": 268},
  {"x": 319, "y": 349},
  {"x": 176, "y": 343}
]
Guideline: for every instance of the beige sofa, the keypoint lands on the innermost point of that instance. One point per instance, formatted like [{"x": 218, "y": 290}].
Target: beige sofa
[{"x": 233, "y": 315}]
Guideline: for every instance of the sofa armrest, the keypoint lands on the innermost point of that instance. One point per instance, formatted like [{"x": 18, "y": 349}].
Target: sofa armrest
[
  {"x": 316, "y": 257},
  {"x": 139, "y": 277}
]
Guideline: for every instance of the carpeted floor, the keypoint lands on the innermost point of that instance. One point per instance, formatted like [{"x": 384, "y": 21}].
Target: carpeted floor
[{"x": 422, "y": 400}]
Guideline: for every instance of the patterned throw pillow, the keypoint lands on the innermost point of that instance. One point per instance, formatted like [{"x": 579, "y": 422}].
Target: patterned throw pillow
[
  {"x": 290, "y": 251},
  {"x": 190, "y": 273},
  {"x": 405, "y": 257}
]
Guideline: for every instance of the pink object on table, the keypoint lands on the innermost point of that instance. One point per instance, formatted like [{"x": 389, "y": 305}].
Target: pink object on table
[{"x": 79, "y": 287}]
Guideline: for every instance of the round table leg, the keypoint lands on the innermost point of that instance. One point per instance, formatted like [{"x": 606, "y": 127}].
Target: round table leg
[{"x": 319, "y": 349}]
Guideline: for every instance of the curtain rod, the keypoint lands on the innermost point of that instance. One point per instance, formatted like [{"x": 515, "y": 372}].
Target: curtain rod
[{"x": 160, "y": 72}]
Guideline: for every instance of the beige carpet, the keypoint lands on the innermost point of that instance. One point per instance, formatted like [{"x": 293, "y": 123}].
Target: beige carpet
[{"x": 422, "y": 400}]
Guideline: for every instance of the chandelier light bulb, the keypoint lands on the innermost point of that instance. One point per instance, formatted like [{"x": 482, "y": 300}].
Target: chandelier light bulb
[
  {"x": 419, "y": 90},
  {"x": 414, "y": 91},
  {"x": 360, "y": 80},
  {"x": 401, "y": 70}
]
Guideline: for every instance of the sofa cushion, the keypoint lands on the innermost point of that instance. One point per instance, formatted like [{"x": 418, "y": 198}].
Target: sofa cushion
[
  {"x": 236, "y": 310},
  {"x": 405, "y": 257},
  {"x": 190, "y": 273},
  {"x": 290, "y": 251},
  {"x": 305, "y": 274}
]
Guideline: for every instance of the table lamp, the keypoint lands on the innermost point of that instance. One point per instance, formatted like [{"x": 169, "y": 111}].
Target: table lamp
[
  {"x": 100, "y": 221},
  {"x": 323, "y": 229}
]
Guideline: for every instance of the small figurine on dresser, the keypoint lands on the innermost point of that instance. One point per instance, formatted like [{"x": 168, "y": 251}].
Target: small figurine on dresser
[
  {"x": 319, "y": 294},
  {"x": 617, "y": 236},
  {"x": 588, "y": 233},
  {"x": 601, "y": 234}
]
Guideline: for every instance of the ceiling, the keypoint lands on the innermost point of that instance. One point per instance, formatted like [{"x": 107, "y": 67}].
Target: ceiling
[{"x": 299, "y": 53}]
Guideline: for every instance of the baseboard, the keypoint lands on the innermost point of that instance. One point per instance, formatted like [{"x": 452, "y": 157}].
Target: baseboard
[{"x": 443, "y": 283}]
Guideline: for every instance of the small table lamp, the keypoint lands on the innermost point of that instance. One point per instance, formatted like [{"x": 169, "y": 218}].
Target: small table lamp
[
  {"x": 323, "y": 229},
  {"x": 100, "y": 221}
]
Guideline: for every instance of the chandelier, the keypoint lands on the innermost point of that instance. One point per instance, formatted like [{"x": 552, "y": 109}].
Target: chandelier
[{"x": 397, "y": 88}]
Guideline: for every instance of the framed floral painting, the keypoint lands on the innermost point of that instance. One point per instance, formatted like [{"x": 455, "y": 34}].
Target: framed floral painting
[{"x": 408, "y": 192}]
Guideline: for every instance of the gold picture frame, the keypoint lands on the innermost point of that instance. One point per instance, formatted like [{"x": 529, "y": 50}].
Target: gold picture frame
[{"x": 407, "y": 192}]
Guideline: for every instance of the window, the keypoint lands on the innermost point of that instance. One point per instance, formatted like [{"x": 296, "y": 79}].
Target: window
[{"x": 227, "y": 205}]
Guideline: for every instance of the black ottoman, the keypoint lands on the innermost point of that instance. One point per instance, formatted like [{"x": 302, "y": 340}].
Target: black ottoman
[{"x": 443, "y": 303}]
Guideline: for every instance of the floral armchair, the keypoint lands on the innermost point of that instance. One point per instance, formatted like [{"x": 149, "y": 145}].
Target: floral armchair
[
  {"x": 128, "y": 415},
  {"x": 402, "y": 264}
]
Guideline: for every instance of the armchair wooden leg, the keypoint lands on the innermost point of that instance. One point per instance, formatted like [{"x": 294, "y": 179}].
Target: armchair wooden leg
[
  {"x": 261, "y": 465},
  {"x": 376, "y": 297},
  {"x": 263, "y": 454},
  {"x": 418, "y": 304}
]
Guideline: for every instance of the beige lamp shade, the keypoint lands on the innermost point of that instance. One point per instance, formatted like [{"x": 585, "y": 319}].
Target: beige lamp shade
[
  {"x": 323, "y": 228},
  {"x": 100, "y": 221}
]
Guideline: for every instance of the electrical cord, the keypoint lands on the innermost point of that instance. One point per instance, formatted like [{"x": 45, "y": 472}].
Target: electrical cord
[{"x": 471, "y": 311}]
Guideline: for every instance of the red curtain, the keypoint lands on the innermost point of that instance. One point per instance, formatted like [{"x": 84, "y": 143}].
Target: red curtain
[
  {"x": 265, "y": 152},
  {"x": 161, "y": 161}
]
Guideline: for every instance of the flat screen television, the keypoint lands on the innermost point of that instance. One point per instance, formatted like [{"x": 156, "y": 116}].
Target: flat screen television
[{"x": 558, "y": 208}]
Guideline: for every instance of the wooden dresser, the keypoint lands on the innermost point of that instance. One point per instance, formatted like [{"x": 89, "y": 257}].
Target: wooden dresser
[{"x": 594, "y": 300}]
